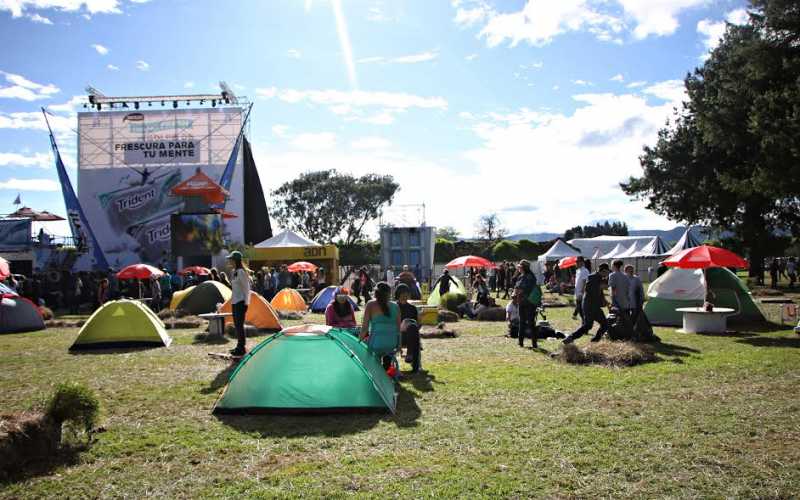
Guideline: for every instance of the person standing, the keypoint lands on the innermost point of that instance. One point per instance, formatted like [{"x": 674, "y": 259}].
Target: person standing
[
  {"x": 501, "y": 279},
  {"x": 365, "y": 284},
  {"x": 581, "y": 273},
  {"x": 525, "y": 285},
  {"x": 593, "y": 302},
  {"x": 166, "y": 288},
  {"x": 618, "y": 282},
  {"x": 240, "y": 299},
  {"x": 635, "y": 294},
  {"x": 155, "y": 293},
  {"x": 102, "y": 291},
  {"x": 774, "y": 267},
  {"x": 390, "y": 277},
  {"x": 791, "y": 270},
  {"x": 444, "y": 283}
]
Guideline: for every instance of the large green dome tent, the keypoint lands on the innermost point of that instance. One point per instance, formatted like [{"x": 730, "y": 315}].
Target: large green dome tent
[
  {"x": 686, "y": 288},
  {"x": 308, "y": 369},
  {"x": 122, "y": 323}
]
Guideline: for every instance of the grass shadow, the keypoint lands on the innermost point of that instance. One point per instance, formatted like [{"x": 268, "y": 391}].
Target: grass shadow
[
  {"x": 113, "y": 350},
  {"x": 761, "y": 327},
  {"x": 205, "y": 338},
  {"x": 729, "y": 334},
  {"x": 790, "y": 342},
  {"x": 67, "y": 455},
  {"x": 220, "y": 379},
  {"x": 422, "y": 381}
]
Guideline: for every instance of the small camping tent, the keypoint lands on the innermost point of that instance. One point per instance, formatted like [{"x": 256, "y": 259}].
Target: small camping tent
[
  {"x": 18, "y": 314},
  {"x": 204, "y": 297},
  {"x": 686, "y": 288},
  {"x": 122, "y": 323},
  {"x": 325, "y": 297},
  {"x": 288, "y": 299},
  {"x": 434, "y": 299},
  {"x": 259, "y": 313},
  {"x": 308, "y": 368},
  {"x": 178, "y": 296}
]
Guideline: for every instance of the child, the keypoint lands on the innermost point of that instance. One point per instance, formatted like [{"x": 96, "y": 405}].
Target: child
[{"x": 512, "y": 315}]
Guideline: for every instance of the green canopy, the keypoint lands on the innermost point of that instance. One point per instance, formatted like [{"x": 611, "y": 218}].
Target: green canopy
[
  {"x": 686, "y": 288},
  {"x": 308, "y": 368},
  {"x": 204, "y": 297},
  {"x": 434, "y": 299},
  {"x": 122, "y": 323}
]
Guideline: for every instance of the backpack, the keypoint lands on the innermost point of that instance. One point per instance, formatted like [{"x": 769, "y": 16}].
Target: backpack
[{"x": 535, "y": 297}]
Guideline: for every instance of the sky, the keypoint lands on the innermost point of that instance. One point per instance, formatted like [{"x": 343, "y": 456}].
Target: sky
[{"x": 534, "y": 110}]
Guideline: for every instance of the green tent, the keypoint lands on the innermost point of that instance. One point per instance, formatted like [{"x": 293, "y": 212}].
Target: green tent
[
  {"x": 308, "y": 368},
  {"x": 204, "y": 297},
  {"x": 686, "y": 288},
  {"x": 434, "y": 299},
  {"x": 122, "y": 323}
]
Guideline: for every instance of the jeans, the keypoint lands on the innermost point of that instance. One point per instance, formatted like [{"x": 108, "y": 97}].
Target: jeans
[
  {"x": 239, "y": 311},
  {"x": 578, "y": 311},
  {"x": 527, "y": 316}
]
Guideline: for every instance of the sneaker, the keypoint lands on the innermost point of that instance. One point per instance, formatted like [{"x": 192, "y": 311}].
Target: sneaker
[{"x": 237, "y": 352}]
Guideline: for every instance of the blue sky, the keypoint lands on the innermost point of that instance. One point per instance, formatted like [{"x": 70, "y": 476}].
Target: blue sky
[{"x": 532, "y": 109}]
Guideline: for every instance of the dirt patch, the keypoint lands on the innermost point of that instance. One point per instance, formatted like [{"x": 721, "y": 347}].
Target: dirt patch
[
  {"x": 25, "y": 437},
  {"x": 61, "y": 323},
  {"x": 607, "y": 354}
]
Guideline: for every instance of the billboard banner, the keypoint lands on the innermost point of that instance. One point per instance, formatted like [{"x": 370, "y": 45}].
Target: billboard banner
[
  {"x": 196, "y": 234},
  {"x": 15, "y": 234},
  {"x": 128, "y": 163}
]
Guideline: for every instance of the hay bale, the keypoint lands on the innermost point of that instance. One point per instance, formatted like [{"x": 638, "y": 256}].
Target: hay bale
[
  {"x": 289, "y": 315},
  {"x": 166, "y": 314},
  {"x": 451, "y": 301},
  {"x": 492, "y": 314},
  {"x": 440, "y": 332},
  {"x": 446, "y": 316},
  {"x": 46, "y": 313},
  {"x": 25, "y": 437},
  {"x": 607, "y": 354},
  {"x": 185, "y": 322}
]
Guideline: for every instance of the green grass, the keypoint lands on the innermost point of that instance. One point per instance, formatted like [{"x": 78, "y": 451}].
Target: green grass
[{"x": 719, "y": 416}]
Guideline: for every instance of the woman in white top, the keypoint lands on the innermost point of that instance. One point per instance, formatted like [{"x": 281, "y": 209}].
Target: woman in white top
[{"x": 240, "y": 299}]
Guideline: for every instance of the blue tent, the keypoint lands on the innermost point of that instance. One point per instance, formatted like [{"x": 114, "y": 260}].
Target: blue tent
[{"x": 325, "y": 297}]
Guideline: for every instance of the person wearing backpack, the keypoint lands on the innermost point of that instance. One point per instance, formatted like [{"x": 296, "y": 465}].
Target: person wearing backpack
[{"x": 531, "y": 298}]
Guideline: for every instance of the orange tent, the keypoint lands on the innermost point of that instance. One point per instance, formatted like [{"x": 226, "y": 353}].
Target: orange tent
[
  {"x": 289, "y": 299},
  {"x": 259, "y": 314}
]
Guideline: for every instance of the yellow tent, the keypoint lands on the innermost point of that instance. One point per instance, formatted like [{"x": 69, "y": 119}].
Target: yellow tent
[
  {"x": 178, "y": 296},
  {"x": 259, "y": 313},
  {"x": 288, "y": 299}
]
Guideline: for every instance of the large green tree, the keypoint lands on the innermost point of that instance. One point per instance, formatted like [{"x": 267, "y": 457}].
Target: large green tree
[
  {"x": 327, "y": 205},
  {"x": 730, "y": 157}
]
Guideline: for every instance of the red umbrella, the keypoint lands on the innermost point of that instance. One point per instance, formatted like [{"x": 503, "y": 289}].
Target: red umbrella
[
  {"x": 301, "y": 266},
  {"x": 198, "y": 270},
  {"x": 568, "y": 262},
  {"x": 5, "y": 271},
  {"x": 705, "y": 256},
  {"x": 139, "y": 272},
  {"x": 469, "y": 261}
]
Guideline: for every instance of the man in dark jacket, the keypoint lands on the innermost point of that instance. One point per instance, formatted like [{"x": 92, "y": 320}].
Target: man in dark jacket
[
  {"x": 444, "y": 283},
  {"x": 527, "y": 309},
  {"x": 593, "y": 302}
]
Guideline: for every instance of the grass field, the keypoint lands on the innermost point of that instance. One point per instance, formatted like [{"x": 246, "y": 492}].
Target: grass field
[{"x": 718, "y": 416}]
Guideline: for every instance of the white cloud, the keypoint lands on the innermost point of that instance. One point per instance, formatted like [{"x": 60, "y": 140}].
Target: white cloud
[
  {"x": 637, "y": 84},
  {"x": 18, "y": 7},
  {"x": 429, "y": 55},
  {"x": 111, "y": 67},
  {"x": 583, "y": 83},
  {"x": 618, "y": 78},
  {"x": 376, "y": 14},
  {"x": 657, "y": 17},
  {"x": 41, "y": 160},
  {"x": 314, "y": 141},
  {"x": 370, "y": 143},
  {"x": 471, "y": 57},
  {"x": 142, "y": 65},
  {"x": 670, "y": 90},
  {"x": 100, "y": 49},
  {"x": 713, "y": 31},
  {"x": 24, "y": 89},
  {"x": 466, "y": 17},
  {"x": 188, "y": 85},
  {"x": 294, "y": 54},
  {"x": 13, "y": 184},
  {"x": 280, "y": 130},
  {"x": 36, "y": 18},
  {"x": 540, "y": 21},
  {"x": 379, "y": 108}
]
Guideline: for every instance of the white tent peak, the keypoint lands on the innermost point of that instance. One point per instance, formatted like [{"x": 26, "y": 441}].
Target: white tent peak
[
  {"x": 688, "y": 240},
  {"x": 614, "y": 252},
  {"x": 558, "y": 251},
  {"x": 287, "y": 239}
]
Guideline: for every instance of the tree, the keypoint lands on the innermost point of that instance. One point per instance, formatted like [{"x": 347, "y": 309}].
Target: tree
[
  {"x": 599, "y": 229},
  {"x": 448, "y": 233},
  {"x": 730, "y": 158},
  {"x": 489, "y": 228},
  {"x": 505, "y": 250},
  {"x": 325, "y": 205}
]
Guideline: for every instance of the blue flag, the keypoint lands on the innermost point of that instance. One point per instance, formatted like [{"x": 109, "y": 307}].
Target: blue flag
[
  {"x": 227, "y": 174},
  {"x": 81, "y": 230}
]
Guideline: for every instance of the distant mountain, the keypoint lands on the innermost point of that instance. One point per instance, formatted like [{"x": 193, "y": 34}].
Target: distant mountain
[{"x": 669, "y": 236}]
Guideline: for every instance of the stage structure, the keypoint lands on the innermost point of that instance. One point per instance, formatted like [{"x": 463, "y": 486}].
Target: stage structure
[{"x": 132, "y": 152}]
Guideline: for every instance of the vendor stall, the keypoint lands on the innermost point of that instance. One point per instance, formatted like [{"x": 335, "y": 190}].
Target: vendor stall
[{"x": 289, "y": 247}]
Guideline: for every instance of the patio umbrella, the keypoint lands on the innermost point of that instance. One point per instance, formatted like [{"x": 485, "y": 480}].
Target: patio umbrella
[
  {"x": 5, "y": 271},
  {"x": 198, "y": 270},
  {"x": 139, "y": 272},
  {"x": 301, "y": 266},
  {"x": 705, "y": 256},
  {"x": 568, "y": 262},
  {"x": 469, "y": 261}
]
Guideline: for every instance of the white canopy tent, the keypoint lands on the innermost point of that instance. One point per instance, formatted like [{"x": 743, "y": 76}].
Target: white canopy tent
[
  {"x": 558, "y": 251},
  {"x": 656, "y": 248},
  {"x": 287, "y": 239},
  {"x": 688, "y": 240},
  {"x": 631, "y": 251},
  {"x": 618, "y": 249},
  {"x": 588, "y": 246}
]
